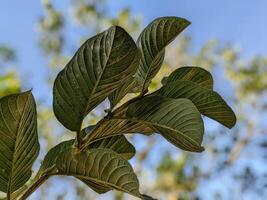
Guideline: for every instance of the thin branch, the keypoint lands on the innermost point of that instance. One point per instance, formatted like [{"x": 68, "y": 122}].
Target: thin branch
[
  {"x": 87, "y": 140},
  {"x": 50, "y": 172}
]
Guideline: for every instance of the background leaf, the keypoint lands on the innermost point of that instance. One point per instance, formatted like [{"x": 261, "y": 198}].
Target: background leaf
[
  {"x": 152, "y": 42},
  {"x": 101, "y": 65},
  {"x": 19, "y": 144}
]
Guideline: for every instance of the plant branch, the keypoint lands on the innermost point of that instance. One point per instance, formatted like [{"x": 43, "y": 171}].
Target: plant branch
[
  {"x": 34, "y": 187},
  {"x": 36, "y": 184},
  {"x": 87, "y": 140}
]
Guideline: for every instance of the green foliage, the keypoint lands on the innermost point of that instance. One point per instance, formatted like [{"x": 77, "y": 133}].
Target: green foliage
[
  {"x": 100, "y": 66},
  {"x": 194, "y": 74},
  {"x": 101, "y": 166},
  {"x": 152, "y": 42},
  {"x": 19, "y": 140},
  {"x": 9, "y": 83},
  {"x": 109, "y": 65},
  {"x": 208, "y": 102}
]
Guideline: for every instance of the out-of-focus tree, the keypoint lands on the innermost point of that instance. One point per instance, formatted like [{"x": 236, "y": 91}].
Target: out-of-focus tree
[
  {"x": 9, "y": 82},
  {"x": 248, "y": 86},
  {"x": 193, "y": 174},
  {"x": 238, "y": 158}
]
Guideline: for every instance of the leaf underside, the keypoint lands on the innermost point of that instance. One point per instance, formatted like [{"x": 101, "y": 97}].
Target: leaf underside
[
  {"x": 19, "y": 144},
  {"x": 177, "y": 120},
  {"x": 98, "y": 68},
  {"x": 100, "y": 166},
  {"x": 118, "y": 144},
  {"x": 197, "y": 75},
  {"x": 208, "y": 102},
  {"x": 152, "y": 42}
]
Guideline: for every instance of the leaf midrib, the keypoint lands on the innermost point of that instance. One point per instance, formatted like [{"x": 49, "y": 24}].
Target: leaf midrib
[
  {"x": 102, "y": 72},
  {"x": 10, "y": 181},
  {"x": 149, "y": 124},
  {"x": 150, "y": 68},
  {"x": 98, "y": 181}
]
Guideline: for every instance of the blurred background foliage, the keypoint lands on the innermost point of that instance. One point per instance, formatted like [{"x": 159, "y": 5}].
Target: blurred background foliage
[{"x": 232, "y": 167}]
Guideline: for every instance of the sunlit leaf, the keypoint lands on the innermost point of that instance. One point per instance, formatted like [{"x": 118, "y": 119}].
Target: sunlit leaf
[
  {"x": 118, "y": 94},
  {"x": 101, "y": 65},
  {"x": 101, "y": 166},
  {"x": 119, "y": 144},
  {"x": 177, "y": 120},
  {"x": 152, "y": 42},
  {"x": 208, "y": 102},
  {"x": 195, "y": 74},
  {"x": 19, "y": 144}
]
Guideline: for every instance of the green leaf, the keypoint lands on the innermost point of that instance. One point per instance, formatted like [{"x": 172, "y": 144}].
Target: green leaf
[
  {"x": 177, "y": 120},
  {"x": 118, "y": 94},
  {"x": 50, "y": 158},
  {"x": 101, "y": 166},
  {"x": 19, "y": 144},
  {"x": 208, "y": 102},
  {"x": 197, "y": 75},
  {"x": 50, "y": 161},
  {"x": 116, "y": 126},
  {"x": 100, "y": 66},
  {"x": 152, "y": 42},
  {"x": 119, "y": 144}
]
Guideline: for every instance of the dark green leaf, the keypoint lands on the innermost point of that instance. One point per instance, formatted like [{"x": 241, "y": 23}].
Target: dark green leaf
[
  {"x": 51, "y": 157},
  {"x": 19, "y": 144},
  {"x": 118, "y": 94},
  {"x": 208, "y": 102},
  {"x": 119, "y": 144},
  {"x": 101, "y": 166},
  {"x": 101, "y": 65},
  {"x": 50, "y": 161},
  {"x": 195, "y": 74},
  {"x": 178, "y": 120},
  {"x": 152, "y": 42}
]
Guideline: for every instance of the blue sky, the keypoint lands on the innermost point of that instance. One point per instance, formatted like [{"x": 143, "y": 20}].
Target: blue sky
[{"x": 243, "y": 23}]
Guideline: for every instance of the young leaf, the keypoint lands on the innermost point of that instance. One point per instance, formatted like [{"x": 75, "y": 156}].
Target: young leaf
[
  {"x": 152, "y": 42},
  {"x": 208, "y": 102},
  {"x": 178, "y": 120},
  {"x": 19, "y": 144},
  {"x": 101, "y": 65},
  {"x": 101, "y": 166},
  {"x": 197, "y": 75}
]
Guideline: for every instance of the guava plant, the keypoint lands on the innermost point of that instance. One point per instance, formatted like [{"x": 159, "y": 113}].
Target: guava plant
[{"x": 109, "y": 65}]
